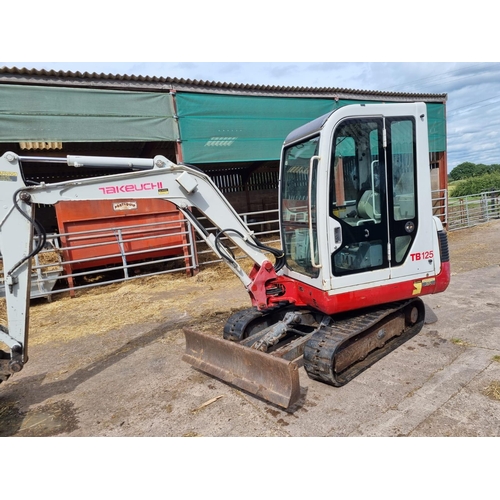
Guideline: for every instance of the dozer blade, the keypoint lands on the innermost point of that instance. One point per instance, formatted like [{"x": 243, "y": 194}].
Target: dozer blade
[{"x": 264, "y": 375}]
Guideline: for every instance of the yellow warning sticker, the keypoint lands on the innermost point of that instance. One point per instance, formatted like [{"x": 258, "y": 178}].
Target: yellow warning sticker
[
  {"x": 417, "y": 287},
  {"x": 163, "y": 191},
  {"x": 8, "y": 176}
]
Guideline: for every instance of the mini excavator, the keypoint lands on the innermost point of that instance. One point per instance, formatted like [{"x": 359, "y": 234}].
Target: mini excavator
[{"x": 359, "y": 247}]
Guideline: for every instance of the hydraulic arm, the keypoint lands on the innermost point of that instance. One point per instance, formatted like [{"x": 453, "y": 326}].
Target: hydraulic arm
[{"x": 182, "y": 185}]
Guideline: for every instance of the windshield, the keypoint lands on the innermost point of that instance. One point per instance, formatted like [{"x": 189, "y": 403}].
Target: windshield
[{"x": 295, "y": 207}]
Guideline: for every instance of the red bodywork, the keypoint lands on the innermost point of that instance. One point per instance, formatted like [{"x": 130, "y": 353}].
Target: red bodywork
[{"x": 303, "y": 295}]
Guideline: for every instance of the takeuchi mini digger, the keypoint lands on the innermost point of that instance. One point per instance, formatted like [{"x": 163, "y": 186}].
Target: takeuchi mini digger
[{"x": 359, "y": 247}]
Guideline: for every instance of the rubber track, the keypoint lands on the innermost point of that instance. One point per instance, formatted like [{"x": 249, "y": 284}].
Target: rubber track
[
  {"x": 4, "y": 359},
  {"x": 4, "y": 356},
  {"x": 236, "y": 325},
  {"x": 320, "y": 350}
]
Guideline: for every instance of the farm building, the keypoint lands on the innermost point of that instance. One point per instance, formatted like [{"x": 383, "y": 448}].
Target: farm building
[{"x": 234, "y": 132}]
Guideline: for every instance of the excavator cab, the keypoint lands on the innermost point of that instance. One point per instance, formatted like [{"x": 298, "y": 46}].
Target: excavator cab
[{"x": 355, "y": 189}]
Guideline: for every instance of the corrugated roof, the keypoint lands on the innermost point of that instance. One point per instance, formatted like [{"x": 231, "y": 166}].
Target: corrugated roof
[{"x": 139, "y": 82}]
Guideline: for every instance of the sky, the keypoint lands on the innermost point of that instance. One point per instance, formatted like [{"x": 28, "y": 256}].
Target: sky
[
  {"x": 378, "y": 46},
  {"x": 473, "y": 88}
]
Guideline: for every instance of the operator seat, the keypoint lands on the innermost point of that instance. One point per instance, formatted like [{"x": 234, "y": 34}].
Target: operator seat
[
  {"x": 369, "y": 206},
  {"x": 367, "y": 209}
]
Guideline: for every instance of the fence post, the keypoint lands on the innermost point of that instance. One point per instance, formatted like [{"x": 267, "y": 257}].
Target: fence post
[
  {"x": 118, "y": 233},
  {"x": 193, "y": 254},
  {"x": 484, "y": 206},
  {"x": 445, "y": 207}
]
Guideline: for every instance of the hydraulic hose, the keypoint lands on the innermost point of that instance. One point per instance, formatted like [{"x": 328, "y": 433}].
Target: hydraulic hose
[
  {"x": 39, "y": 229},
  {"x": 278, "y": 254}
]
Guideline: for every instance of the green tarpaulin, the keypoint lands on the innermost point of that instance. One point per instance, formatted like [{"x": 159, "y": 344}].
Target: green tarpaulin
[
  {"x": 213, "y": 127},
  {"x": 225, "y": 128},
  {"x": 31, "y": 113},
  {"x": 436, "y": 121},
  {"x": 221, "y": 128}
]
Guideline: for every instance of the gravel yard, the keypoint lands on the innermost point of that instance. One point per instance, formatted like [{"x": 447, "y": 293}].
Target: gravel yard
[{"x": 108, "y": 363}]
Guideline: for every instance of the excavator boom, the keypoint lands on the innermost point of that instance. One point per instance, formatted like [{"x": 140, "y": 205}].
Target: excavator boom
[{"x": 182, "y": 185}]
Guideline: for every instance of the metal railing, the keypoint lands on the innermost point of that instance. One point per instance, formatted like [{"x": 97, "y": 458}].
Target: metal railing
[
  {"x": 264, "y": 224},
  {"x": 468, "y": 211},
  {"x": 54, "y": 272},
  {"x": 440, "y": 205},
  {"x": 55, "y": 264}
]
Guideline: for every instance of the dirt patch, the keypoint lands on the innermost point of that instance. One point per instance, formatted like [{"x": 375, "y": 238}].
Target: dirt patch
[
  {"x": 97, "y": 311},
  {"x": 475, "y": 247},
  {"x": 46, "y": 420},
  {"x": 493, "y": 390}
]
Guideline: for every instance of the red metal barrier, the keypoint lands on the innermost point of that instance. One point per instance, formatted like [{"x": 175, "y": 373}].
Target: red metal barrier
[{"x": 133, "y": 230}]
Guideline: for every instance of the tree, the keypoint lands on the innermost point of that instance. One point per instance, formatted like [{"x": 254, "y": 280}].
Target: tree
[
  {"x": 467, "y": 170},
  {"x": 476, "y": 185},
  {"x": 463, "y": 171}
]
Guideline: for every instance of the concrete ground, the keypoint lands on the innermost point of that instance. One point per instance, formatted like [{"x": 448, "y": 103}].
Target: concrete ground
[{"x": 132, "y": 382}]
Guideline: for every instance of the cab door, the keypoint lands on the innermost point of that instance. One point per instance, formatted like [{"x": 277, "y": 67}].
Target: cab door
[
  {"x": 402, "y": 190},
  {"x": 358, "y": 202},
  {"x": 373, "y": 198}
]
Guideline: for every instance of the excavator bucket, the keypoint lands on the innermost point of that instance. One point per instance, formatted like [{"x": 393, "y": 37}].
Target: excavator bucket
[{"x": 266, "y": 376}]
